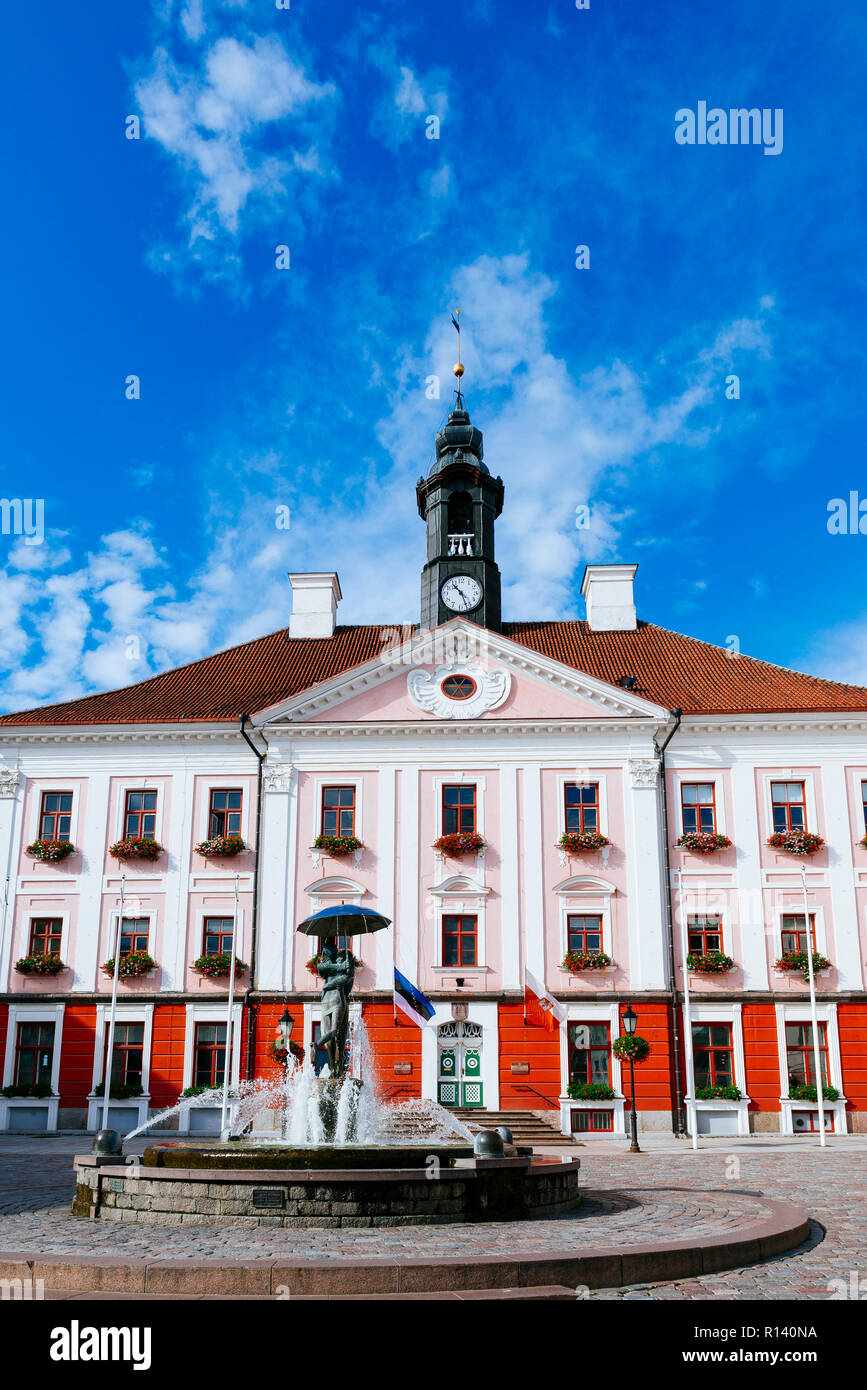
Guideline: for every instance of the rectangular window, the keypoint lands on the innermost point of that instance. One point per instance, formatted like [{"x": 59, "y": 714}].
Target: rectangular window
[
  {"x": 698, "y": 807},
  {"x": 864, "y": 803},
  {"x": 210, "y": 1054},
  {"x": 127, "y": 1054},
  {"x": 218, "y": 936},
  {"x": 584, "y": 933},
  {"x": 582, "y": 805},
  {"x": 224, "y": 813},
  {"x": 459, "y": 809},
  {"x": 712, "y": 1054},
  {"x": 800, "y": 1061},
  {"x": 589, "y": 1053},
  {"x": 790, "y": 811},
  {"x": 134, "y": 934},
  {"x": 140, "y": 816},
  {"x": 55, "y": 816},
  {"x": 794, "y": 932},
  {"x": 338, "y": 811},
  {"x": 34, "y": 1054},
  {"x": 460, "y": 936},
  {"x": 594, "y": 1120},
  {"x": 45, "y": 936},
  {"x": 704, "y": 934}
]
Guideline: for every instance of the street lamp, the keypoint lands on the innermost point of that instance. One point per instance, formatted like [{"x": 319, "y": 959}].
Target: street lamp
[
  {"x": 285, "y": 1025},
  {"x": 630, "y": 1018}
]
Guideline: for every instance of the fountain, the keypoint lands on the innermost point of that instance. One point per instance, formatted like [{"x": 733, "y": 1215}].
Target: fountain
[{"x": 337, "y": 1156}]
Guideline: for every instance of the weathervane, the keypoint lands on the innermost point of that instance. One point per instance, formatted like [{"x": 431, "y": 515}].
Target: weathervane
[{"x": 458, "y": 368}]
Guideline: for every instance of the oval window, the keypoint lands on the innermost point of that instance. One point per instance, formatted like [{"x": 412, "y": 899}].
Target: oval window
[{"x": 459, "y": 687}]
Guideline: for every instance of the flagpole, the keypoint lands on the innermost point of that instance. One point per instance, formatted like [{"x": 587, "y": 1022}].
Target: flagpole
[
  {"x": 687, "y": 1011},
  {"x": 109, "y": 1052},
  {"x": 224, "y": 1127},
  {"x": 817, "y": 1054}
]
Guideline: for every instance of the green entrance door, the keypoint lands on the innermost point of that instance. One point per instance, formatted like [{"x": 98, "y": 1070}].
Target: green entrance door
[{"x": 459, "y": 1079}]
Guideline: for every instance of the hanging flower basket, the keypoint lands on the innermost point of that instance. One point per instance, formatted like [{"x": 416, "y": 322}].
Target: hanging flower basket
[
  {"x": 136, "y": 847},
  {"x": 461, "y": 842},
  {"x": 809, "y": 1093},
  {"x": 39, "y": 964},
  {"x": 703, "y": 842},
  {"x": 574, "y": 961},
  {"x": 796, "y": 842},
  {"x": 120, "y": 1090},
  {"x": 218, "y": 967},
  {"x": 338, "y": 845},
  {"x": 280, "y": 1053},
  {"x": 589, "y": 1090},
  {"x": 717, "y": 1093},
  {"x": 50, "y": 851},
  {"x": 798, "y": 961},
  {"x": 709, "y": 962},
  {"x": 630, "y": 1046},
  {"x": 313, "y": 962},
  {"x": 222, "y": 846},
  {"x": 132, "y": 965},
  {"x": 582, "y": 841}
]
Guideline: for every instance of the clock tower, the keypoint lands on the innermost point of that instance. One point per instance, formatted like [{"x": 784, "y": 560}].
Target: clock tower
[{"x": 459, "y": 501}]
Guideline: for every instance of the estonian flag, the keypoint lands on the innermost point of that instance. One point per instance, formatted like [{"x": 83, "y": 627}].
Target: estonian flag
[{"x": 412, "y": 1001}]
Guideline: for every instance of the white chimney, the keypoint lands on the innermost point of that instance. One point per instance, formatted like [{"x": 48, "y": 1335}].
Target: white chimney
[
  {"x": 314, "y": 604},
  {"x": 610, "y": 600}
]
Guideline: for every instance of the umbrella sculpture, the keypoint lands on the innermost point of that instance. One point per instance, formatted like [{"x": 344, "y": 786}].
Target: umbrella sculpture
[{"x": 337, "y": 969}]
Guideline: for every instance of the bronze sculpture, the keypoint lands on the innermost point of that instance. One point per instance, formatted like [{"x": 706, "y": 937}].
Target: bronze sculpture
[{"x": 337, "y": 969}]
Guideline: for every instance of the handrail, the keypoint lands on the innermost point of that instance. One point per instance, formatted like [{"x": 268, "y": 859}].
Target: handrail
[{"x": 553, "y": 1103}]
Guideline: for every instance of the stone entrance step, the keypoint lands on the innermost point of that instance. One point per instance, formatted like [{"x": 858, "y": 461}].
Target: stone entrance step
[{"x": 527, "y": 1126}]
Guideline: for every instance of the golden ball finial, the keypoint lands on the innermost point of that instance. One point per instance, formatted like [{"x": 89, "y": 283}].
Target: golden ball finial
[{"x": 458, "y": 369}]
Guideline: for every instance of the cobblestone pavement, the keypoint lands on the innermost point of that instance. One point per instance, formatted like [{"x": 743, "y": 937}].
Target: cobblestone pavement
[{"x": 631, "y": 1199}]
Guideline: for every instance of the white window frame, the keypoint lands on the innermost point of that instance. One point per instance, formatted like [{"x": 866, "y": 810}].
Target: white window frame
[
  {"x": 64, "y": 915},
  {"x": 859, "y": 776},
  {"x": 338, "y": 779},
  {"x": 128, "y": 914},
  {"x": 42, "y": 785},
  {"x": 717, "y": 780},
  {"x": 141, "y": 784},
  {"x": 199, "y": 916},
  {"x": 454, "y": 896},
  {"x": 32, "y": 1013},
  {"x": 800, "y": 1013},
  {"x": 733, "y": 1015},
  {"x": 808, "y": 779},
  {"x": 597, "y": 779},
  {"x": 457, "y": 779},
  {"x": 593, "y": 1012},
  {"x": 217, "y": 784},
  {"x": 210, "y": 1013},
  {"x": 126, "y": 1013},
  {"x": 598, "y": 893},
  {"x": 816, "y": 910}
]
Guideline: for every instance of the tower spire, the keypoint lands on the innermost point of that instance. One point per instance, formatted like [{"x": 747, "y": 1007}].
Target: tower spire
[{"x": 458, "y": 368}]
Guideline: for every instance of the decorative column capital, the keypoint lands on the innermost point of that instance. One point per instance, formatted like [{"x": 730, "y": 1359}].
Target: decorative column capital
[
  {"x": 10, "y": 777},
  {"x": 277, "y": 777},
  {"x": 644, "y": 772}
]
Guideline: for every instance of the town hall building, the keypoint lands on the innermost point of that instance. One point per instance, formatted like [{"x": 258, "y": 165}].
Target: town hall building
[{"x": 561, "y": 801}]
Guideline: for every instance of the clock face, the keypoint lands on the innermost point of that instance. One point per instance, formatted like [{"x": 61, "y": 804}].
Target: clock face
[{"x": 461, "y": 592}]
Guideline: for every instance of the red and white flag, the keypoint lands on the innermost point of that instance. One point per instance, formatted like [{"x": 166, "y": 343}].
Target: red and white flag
[{"x": 541, "y": 1008}]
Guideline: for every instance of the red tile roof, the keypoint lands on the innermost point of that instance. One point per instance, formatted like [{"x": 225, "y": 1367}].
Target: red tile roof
[{"x": 671, "y": 670}]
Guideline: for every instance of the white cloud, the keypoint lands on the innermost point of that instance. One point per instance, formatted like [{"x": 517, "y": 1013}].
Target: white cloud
[{"x": 840, "y": 653}]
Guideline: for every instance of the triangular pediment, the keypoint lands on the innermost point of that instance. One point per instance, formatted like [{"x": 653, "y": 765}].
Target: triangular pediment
[{"x": 410, "y": 680}]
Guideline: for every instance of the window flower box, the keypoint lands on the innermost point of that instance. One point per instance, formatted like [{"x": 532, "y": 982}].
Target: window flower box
[
  {"x": 120, "y": 1090},
  {"x": 313, "y": 962},
  {"x": 809, "y": 1093},
  {"x": 460, "y": 842},
  {"x": 218, "y": 967},
  {"x": 40, "y": 964},
  {"x": 589, "y": 1090},
  {"x": 132, "y": 966},
  {"x": 702, "y": 842},
  {"x": 800, "y": 842},
  {"x": 863, "y": 842},
  {"x": 717, "y": 1093},
  {"x": 136, "y": 847},
  {"x": 582, "y": 842},
  {"x": 709, "y": 963},
  {"x": 39, "y": 1090},
  {"x": 575, "y": 961},
  {"x": 221, "y": 847},
  {"x": 798, "y": 961},
  {"x": 337, "y": 845},
  {"x": 51, "y": 851},
  {"x": 630, "y": 1046}
]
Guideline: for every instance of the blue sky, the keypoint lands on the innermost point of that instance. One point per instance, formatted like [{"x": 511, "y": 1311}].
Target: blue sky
[{"x": 266, "y": 388}]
